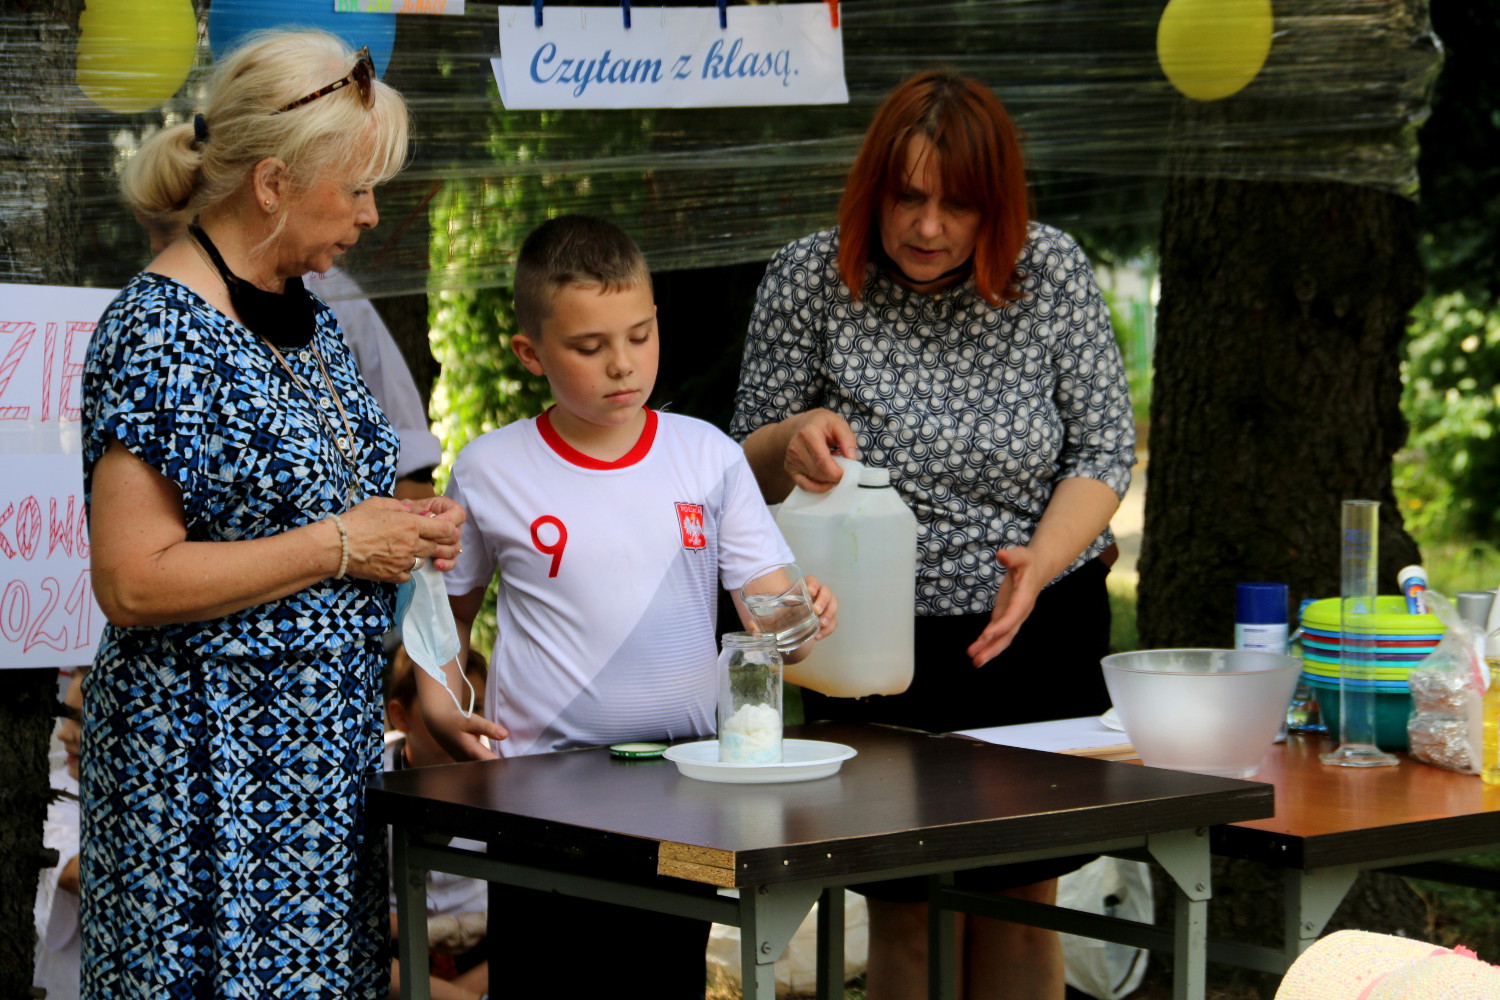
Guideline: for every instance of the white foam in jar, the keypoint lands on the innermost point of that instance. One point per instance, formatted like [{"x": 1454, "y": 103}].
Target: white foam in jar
[{"x": 752, "y": 735}]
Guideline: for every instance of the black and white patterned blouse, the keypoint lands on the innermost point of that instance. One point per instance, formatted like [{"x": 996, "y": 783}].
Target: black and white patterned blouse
[{"x": 977, "y": 411}]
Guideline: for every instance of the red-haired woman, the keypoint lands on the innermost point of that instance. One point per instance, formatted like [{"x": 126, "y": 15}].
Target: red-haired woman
[{"x": 941, "y": 334}]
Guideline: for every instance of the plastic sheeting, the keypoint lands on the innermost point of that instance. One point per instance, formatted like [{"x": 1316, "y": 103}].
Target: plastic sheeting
[{"x": 1339, "y": 97}]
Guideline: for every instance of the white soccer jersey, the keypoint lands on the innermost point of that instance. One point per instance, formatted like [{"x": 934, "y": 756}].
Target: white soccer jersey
[{"x": 609, "y": 577}]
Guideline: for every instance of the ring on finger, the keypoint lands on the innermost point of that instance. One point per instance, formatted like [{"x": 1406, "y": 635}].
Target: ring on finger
[{"x": 416, "y": 564}]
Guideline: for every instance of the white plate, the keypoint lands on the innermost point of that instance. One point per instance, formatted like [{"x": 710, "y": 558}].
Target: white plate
[
  {"x": 1111, "y": 720},
  {"x": 801, "y": 760}
]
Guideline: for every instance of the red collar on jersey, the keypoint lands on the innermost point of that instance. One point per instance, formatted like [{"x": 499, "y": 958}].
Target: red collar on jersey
[{"x": 638, "y": 451}]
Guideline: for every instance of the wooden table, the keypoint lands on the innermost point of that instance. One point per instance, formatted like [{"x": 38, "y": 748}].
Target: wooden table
[
  {"x": 585, "y": 824},
  {"x": 1331, "y": 823}
]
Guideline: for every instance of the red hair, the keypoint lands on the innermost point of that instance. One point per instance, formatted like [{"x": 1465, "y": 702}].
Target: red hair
[{"x": 978, "y": 155}]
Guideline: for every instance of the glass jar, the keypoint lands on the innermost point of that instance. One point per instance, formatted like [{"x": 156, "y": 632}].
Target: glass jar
[{"x": 750, "y": 699}]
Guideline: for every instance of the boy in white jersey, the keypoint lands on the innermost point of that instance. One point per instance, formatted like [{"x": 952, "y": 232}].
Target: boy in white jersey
[{"x": 613, "y": 528}]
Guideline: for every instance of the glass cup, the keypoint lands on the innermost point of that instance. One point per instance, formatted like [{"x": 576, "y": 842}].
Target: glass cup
[
  {"x": 780, "y": 605},
  {"x": 750, "y": 699}
]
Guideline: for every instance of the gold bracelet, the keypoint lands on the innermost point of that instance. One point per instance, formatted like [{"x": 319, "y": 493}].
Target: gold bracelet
[{"x": 338, "y": 522}]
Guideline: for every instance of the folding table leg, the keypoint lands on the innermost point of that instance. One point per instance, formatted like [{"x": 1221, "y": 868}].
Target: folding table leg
[
  {"x": 942, "y": 945},
  {"x": 411, "y": 919},
  {"x": 1311, "y": 898},
  {"x": 769, "y": 916},
  {"x": 831, "y": 944},
  {"x": 1183, "y": 854}
]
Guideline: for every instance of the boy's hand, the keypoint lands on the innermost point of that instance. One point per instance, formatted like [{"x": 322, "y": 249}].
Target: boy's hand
[
  {"x": 826, "y": 604},
  {"x": 469, "y": 740},
  {"x": 461, "y": 738}
]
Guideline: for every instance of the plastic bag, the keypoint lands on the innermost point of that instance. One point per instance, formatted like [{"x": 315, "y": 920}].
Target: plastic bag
[
  {"x": 797, "y": 968},
  {"x": 1101, "y": 969},
  {"x": 1447, "y": 691},
  {"x": 1106, "y": 970}
]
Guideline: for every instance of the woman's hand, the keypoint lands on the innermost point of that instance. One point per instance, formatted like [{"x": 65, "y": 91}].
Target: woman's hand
[
  {"x": 1079, "y": 510},
  {"x": 388, "y": 537},
  {"x": 444, "y": 510},
  {"x": 813, "y": 438},
  {"x": 799, "y": 451},
  {"x": 1013, "y": 603}
]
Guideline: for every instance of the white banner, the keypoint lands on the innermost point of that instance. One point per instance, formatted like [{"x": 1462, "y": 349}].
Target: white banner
[
  {"x": 48, "y": 616},
  {"x": 670, "y": 57}
]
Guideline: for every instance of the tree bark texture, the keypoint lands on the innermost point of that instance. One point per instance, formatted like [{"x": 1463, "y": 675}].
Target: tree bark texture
[
  {"x": 1276, "y": 395},
  {"x": 28, "y": 701},
  {"x": 39, "y": 172},
  {"x": 406, "y": 317},
  {"x": 39, "y": 236}
]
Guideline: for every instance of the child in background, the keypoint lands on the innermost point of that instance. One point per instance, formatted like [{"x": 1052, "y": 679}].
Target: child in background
[
  {"x": 613, "y": 527},
  {"x": 58, "y": 946},
  {"x": 456, "y": 905}
]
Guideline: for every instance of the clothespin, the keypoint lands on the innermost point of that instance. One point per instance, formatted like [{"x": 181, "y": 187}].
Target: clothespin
[
  {"x": 833, "y": 12},
  {"x": 723, "y": 15},
  {"x": 625, "y": 12},
  {"x": 536, "y": 5}
]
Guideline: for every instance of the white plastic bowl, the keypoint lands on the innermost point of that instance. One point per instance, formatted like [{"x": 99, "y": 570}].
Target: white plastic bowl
[{"x": 1214, "y": 711}]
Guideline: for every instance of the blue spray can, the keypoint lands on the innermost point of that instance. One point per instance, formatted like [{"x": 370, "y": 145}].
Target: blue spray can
[{"x": 1413, "y": 580}]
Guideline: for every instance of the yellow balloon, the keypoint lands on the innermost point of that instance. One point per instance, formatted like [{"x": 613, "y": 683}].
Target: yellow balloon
[
  {"x": 1210, "y": 49},
  {"x": 134, "y": 54}
]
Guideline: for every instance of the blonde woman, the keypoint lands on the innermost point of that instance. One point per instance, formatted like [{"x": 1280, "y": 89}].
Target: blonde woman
[{"x": 246, "y": 551}]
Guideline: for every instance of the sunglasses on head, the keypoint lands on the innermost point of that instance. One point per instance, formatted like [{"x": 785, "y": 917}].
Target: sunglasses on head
[{"x": 362, "y": 76}]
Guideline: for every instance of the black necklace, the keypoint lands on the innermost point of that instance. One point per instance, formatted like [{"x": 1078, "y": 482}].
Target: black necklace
[
  {"x": 886, "y": 264},
  {"x": 286, "y": 320}
]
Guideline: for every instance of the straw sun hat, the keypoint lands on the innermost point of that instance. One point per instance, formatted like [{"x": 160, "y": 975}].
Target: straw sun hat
[{"x": 1358, "y": 965}]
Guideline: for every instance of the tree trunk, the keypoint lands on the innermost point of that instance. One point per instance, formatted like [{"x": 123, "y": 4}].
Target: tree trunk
[
  {"x": 410, "y": 70},
  {"x": 39, "y": 229},
  {"x": 1276, "y": 394},
  {"x": 39, "y": 173},
  {"x": 406, "y": 317},
  {"x": 27, "y": 705}
]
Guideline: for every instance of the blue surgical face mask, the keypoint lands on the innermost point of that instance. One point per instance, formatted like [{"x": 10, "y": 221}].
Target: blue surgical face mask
[{"x": 427, "y": 629}]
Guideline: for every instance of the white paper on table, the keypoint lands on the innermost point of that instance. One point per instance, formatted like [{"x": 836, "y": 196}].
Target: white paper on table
[{"x": 1057, "y": 736}]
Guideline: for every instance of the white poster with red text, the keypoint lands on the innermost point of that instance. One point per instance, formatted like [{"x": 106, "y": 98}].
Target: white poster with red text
[{"x": 48, "y": 616}]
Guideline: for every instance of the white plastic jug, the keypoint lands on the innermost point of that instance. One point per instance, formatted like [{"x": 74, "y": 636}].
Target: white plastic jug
[{"x": 859, "y": 538}]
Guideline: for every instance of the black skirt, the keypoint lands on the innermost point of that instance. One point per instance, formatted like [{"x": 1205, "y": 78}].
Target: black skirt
[{"x": 1050, "y": 671}]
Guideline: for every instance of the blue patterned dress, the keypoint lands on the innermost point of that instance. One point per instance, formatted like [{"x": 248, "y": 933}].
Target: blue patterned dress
[{"x": 225, "y": 852}]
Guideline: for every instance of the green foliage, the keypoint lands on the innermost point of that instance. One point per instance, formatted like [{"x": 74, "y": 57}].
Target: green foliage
[
  {"x": 1448, "y": 478},
  {"x": 1131, "y": 320},
  {"x": 483, "y": 385},
  {"x": 1464, "y": 916},
  {"x": 1460, "y": 174},
  {"x": 1454, "y": 566},
  {"x": 1124, "y": 636}
]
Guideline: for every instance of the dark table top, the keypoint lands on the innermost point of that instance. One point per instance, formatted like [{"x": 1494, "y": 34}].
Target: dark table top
[
  {"x": 907, "y": 798},
  {"x": 1328, "y": 816}
]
